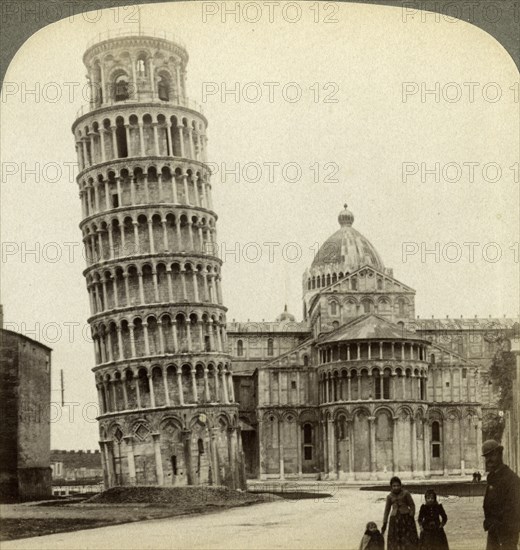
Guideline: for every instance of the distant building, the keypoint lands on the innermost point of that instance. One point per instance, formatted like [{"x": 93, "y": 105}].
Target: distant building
[
  {"x": 25, "y": 393},
  {"x": 76, "y": 472}
]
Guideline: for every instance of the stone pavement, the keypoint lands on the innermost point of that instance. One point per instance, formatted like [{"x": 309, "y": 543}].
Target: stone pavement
[{"x": 337, "y": 522}]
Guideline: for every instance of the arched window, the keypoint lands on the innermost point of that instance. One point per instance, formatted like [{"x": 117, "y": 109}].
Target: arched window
[
  {"x": 366, "y": 306},
  {"x": 305, "y": 360},
  {"x": 307, "y": 441},
  {"x": 436, "y": 439},
  {"x": 402, "y": 308},
  {"x": 386, "y": 386},
  {"x": 122, "y": 145},
  {"x": 270, "y": 347},
  {"x": 141, "y": 66},
  {"x": 163, "y": 88},
  {"x": 240, "y": 348},
  {"x": 121, "y": 88},
  {"x": 353, "y": 283},
  {"x": 200, "y": 446},
  {"x": 379, "y": 284},
  {"x": 377, "y": 385},
  {"x": 333, "y": 308}
]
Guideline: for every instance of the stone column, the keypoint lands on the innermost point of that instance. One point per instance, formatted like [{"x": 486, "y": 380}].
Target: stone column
[
  {"x": 183, "y": 281},
  {"x": 324, "y": 447},
  {"x": 129, "y": 440},
  {"x": 373, "y": 461},
  {"x": 281, "y": 449},
  {"x": 462, "y": 446},
  {"x": 174, "y": 189},
  {"x": 206, "y": 385},
  {"x": 194, "y": 386},
  {"x": 152, "y": 391},
  {"x": 217, "y": 385},
  {"x": 195, "y": 286},
  {"x": 350, "y": 465},
  {"x": 179, "y": 386},
  {"x": 184, "y": 178},
  {"x": 413, "y": 443},
  {"x": 132, "y": 339},
  {"x": 137, "y": 390},
  {"x": 225, "y": 386},
  {"x": 152, "y": 77},
  {"x": 158, "y": 459},
  {"x": 231, "y": 388},
  {"x": 299, "y": 448},
  {"x": 395, "y": 444},
  {"x": 162, "y": 346},
  {"x": 102, "y": 144},
  {"x": 445, "y": 450},
  {"x": 479, "y": 445},
  {"x": 114, "y": 143},
  {"x": 155, "y": 284},
  {"x": 155, "y": 139},
  {"x": 326, "y": 400},
  {"x": 165, "y": 383},
  {"x": 181, "y": 139},
  {"x": 141, "y": 139},
  {"x": 174, "y": 335},
  {"x": 261, "y": 451},
  {"x": 146, "y": 340},
  {"x": 125, "y": 393},
  {"x": 331, "y": 452},
  {"x": 169, "y": 143},
  {"x": 451, "y": 385},
  {"x": 109, "y": 462},
  {"x": 128, "y": 140},
  {"x": 188, "y": 457},
  {"x": 214, "y": 456}
]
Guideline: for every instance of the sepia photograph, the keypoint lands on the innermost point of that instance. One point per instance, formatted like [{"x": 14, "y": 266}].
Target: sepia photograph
[{"x": 260, "y": 280}]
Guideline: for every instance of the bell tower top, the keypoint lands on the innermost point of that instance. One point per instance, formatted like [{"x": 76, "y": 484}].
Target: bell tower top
[{"x": 137, "y": 66}]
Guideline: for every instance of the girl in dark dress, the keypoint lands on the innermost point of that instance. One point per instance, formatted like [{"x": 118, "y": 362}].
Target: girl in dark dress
[
  {"x": 400, "y": 508},
  {"x": 432, "y": 519}
]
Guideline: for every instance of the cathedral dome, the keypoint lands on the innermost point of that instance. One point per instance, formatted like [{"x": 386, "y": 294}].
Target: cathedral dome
[
  {"x": 285, "y": 315},
  {"x": 347, "y": 249}
]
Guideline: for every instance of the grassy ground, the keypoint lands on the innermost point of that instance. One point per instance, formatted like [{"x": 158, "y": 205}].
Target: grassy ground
[{"x": 117, "y": 505}]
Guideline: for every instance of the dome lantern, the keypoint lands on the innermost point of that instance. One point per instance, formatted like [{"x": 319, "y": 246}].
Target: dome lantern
[{"x": 346, "y": 218}]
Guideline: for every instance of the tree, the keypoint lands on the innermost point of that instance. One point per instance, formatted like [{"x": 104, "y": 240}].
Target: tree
[
  {"x": 502, "y": 372},
  {"x": 493, "y": 427}
]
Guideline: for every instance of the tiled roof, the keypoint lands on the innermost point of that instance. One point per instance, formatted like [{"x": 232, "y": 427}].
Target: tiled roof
[{"x": 368, "y": 327}]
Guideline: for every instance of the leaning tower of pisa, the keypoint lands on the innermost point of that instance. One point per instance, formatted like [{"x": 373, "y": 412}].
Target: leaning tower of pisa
[{"x": 168, "y": 415}]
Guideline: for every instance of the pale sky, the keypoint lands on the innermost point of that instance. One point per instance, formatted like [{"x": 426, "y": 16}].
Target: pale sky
[{"x": 363, "y": 59}]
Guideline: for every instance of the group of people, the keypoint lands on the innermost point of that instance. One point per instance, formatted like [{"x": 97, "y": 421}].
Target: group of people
[{"x": 501, "y": 513}]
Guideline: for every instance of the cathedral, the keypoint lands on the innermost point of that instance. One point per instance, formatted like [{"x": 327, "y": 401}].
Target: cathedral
[
  {"x": 357, "y": 390},
  {"x": 360, "y": 389}
]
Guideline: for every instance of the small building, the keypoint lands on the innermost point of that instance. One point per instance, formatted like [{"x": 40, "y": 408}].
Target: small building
[
  {"x": 25, "y": 394},
  {"x": 76, "y": 472}
]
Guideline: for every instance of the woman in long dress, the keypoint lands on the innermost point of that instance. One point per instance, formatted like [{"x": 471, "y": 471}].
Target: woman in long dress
[{"x": 399, "y": 516}]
